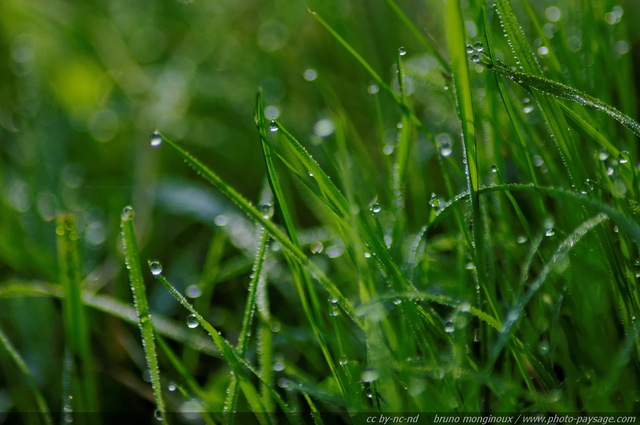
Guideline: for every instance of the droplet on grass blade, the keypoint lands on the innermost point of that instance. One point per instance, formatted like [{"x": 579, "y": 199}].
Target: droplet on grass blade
[
  {"x": 402, "y": 51},
  {"x": 273, "y": 126},
  {"x": 156, "y": 139},
  {"x": 155, "y": 267},
  {"x": 369, "y": 375},
  {"x": 375, "y": 208},
  {"x": 266, "y": 209},
  {"x": 127, "y": 212},
  {"x": 192, "y": 321}
]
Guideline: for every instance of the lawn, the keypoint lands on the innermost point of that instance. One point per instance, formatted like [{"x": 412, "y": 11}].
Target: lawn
[{"x": 325, "y": 212}]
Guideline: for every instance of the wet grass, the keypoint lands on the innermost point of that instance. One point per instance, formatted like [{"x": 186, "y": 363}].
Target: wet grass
[{"x": 459, "y": 234}]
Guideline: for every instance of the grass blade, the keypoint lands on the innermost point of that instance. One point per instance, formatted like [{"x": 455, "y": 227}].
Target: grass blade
[
  {"x": 132, "y": 259},
  {"x": 83, "y": 382},
  {"x": 563, "y": 91},
  {"x": 19, "y": 362}
]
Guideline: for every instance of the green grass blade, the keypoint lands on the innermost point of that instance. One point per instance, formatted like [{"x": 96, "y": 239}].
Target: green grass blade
[
  {"x": 563, "y": 91},
  {"x": 231, "y": 401},
  {"x": 236, "y": 362},
  {"x": 548, "y": 106},
  {"x": 254, "y": 214},
  {"x": 132, "y": 260},
  {"x": 111, "y": 306},
  {"x": 75, "y": 319},
  {"x": 19, "y": 362}
]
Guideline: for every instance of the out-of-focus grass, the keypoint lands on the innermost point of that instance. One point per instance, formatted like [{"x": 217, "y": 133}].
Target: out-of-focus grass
[{"x": 400, "y": 276}]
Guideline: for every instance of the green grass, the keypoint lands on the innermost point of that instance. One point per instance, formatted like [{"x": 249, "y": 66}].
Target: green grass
[{"x": 442, "y": 219}]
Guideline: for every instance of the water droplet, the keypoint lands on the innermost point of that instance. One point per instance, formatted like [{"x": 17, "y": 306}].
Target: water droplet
[
  {"x": 369, "y": 375},
  {"x": 192, "y": 321},
  {"x": 146, "y": 375},
  {"x": 402, "y": 51},
  {"x": 310, "y": 74},
  {"x": 449, "y": 327},
  {"x": 273, "y": 126},
  {"x": 373, "y": 89},
  {"x": 334, "y": 310},
  {"x": 494, "y": 168},
  {"x": 367, "y": 255},
  {"x": 475, "y": 58},
  {"x": 193, "y": 291},
  {"x": 172, "y": 386},
  {"x": 397, "y": 301},
  {"x": 543, "y": 347},
  {"x": 276, "y": 326},
  {"x": 324, "y": 127},
  {"x": 127, "y": 212},
  {"x": 158, "y": 415},
  {"x": 553, "y": 14},
  {"x": 333, "y": 300},
  {"x": 155, "y": 267},
  {"x": 478, "y": 47},
  {"x": 623, "y": 158},
  {"x": 435, "y": 201},
  {"x": 444, "y": 144},
  {"x": 543, "y": 50},
  {"x": 465, "y": 306},
  {"x": 521, "y": 239},
  {"x": 470, "y": 266},
  {"x": 343, "y": 360},
  {"x": 284, "y": 383},
  {"x": 221, "y": 220},
  {"x": 387, "y": 149},
  {"x": 603, "y": 155},
  {"x": 549, "y": 232},
  {"x": 537, "y": 160},
  {"x": 278, "y": 366},
  {"x": 375, "y": 208},
  {"x": 266, "y": 209},
  {"x": 470, "y": 49},
  {"x": 155, "y": 139},
  {"x": 334, "y": 251},
  {"x": 317, "y": 247}
]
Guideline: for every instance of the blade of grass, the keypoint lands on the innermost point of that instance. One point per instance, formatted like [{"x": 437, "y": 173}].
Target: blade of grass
[
  {"x": 43, "y": 408},
  {"x": 563, "y": 91},
  {"x": 257, "y": 216},
  {"x": 75, "y": 320},
  {"x": 132, "y": 260},
  {"x": 548, "y": 106},
  {"x": 230, "y": 404},
  {"x": 235, "y": 361}
]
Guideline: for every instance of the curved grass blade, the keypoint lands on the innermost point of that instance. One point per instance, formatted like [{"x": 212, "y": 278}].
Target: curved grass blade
[
  {"x": 563, "y": 91},
  {"x": 561, "y": 252},
  {"x": 19, "y": 362},
  {"x": 112, "y": 306},
  {"x": 145, "y": 323}
]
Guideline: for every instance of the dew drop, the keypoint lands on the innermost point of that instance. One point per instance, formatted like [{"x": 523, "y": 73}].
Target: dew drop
[
  {"x": 435, "y": 201},
  {"x": 623, "y": 158},
  {"x": 549, "y": 232},
  {"x": 266, "y": 209},
  {"x": 475, "y": 58},
  {"x": 494, "y": 168},
  {"x": 155, "y": 267},
  {"x": 521, "y": 239},
  {"x": 603, "y": 155},
  {"x": 373, "y": 89},
  {"x": 470, "y": 266},
  {"x": 127, "y": 212},
  {"x": 343, "y": 360},
  {"x": 317, "y": 247},
  {"x": 465, "y": 306},
  {"x": 158, "y": 415},
  {"x": 172, "y": 386},
  {"x": 397, "y": 301},
  {"x": 449, "y": 327},
  {"x": 192, "y": 321},
  {"x": 310, "y": 74},
  {"x": 478, "y": 47},
  {"x": 402, "y": 51},
  {"x": 369, "y": 375},
  {"x": 375, "y": 208},
  {"x": 470, "y": 49},
  {"x": 273, "y": 126},
  {"x": 156, "y": 139},
  {"x": 193, "y": 291},
  {"x": 543, "y": 347}
]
